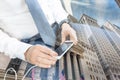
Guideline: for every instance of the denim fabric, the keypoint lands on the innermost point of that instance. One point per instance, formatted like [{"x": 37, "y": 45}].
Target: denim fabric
[{"x": 42, "y": 73}]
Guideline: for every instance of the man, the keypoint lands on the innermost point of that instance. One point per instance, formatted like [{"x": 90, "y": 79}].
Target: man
[{"x": 16, "y": 23}]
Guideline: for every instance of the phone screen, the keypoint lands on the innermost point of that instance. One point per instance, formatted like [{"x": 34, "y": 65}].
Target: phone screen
[{"x": 62, "y": 49}]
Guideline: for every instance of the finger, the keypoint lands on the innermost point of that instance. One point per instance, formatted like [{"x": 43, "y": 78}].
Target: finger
[
  {"x": 73, "y": 37},
  {"x": 46, "y": 56},
  {"x": 63, "y": 36},
  {"x": 47, "y": 50},
  {"x": 74, "y": 41},
  {"x": 45, "y": 61}
]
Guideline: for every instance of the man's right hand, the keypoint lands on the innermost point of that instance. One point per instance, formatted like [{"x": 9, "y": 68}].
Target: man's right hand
[{"x": 41, "y": 56}]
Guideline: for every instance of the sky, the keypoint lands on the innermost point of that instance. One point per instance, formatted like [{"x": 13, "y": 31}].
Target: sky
[{"x": 101, "y": 10}]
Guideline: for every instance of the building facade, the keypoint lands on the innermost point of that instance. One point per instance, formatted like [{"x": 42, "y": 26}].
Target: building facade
[
  {"x": 81, "y": 67},
  {"x": 105, "y": 41},
  {"x": 91, "y": 67}
]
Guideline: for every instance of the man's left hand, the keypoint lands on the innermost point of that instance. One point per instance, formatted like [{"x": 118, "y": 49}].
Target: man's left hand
[{"x": 68, "y": 31}]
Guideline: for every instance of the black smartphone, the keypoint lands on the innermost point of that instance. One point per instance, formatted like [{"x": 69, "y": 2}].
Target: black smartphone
[{"x": 62, "y": 49}]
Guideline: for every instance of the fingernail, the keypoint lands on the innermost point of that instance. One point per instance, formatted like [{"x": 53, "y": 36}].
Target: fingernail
[
  {"x": 54, "y": 62},
  {"x": 55, "y": 55},
  {"x": 49, "y": 66}
]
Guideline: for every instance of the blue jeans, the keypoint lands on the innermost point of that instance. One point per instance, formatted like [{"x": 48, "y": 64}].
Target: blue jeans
[{"x": 42, "y": 73}]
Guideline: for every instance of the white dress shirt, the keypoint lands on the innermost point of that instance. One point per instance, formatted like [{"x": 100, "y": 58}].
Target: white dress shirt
[{"x": 17, "y": 23}]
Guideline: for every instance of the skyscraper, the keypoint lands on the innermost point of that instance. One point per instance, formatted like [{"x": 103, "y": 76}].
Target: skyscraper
[
  {"x": 91, "y": 68},
  {"x": 105, "y": 41}
]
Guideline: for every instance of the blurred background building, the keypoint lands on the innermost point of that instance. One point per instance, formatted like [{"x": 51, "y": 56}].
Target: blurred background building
[
  {"x": 105, "y": 41},
  {"x": 91, "y": 68},
  {"x": 103, "y": 38}
]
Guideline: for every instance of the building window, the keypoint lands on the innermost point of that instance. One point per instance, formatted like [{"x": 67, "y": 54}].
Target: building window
[
  {"x": 119, "y": 76},
  {"x": 91, "y": 77},
  {"x": 87, "y": 62},
  {"x": 108, "y": 77},
  {"x": 90, "y": 69},
  {"x": 97, "y": 78}
]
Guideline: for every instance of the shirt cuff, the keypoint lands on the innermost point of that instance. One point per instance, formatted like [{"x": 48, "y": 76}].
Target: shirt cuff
[{"x": 21, "y": 50}]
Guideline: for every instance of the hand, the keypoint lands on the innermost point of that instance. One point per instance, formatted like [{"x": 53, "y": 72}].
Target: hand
[
  {"x": 41, "y": 56},
  {"x": 68, "y": 31}
]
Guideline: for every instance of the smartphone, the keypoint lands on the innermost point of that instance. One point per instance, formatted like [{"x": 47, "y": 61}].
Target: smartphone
[{"x": 62, "y": 49}]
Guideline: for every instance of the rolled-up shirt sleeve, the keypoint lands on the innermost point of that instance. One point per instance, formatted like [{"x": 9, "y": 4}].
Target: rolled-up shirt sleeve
[{"x": 12, "y": 47}]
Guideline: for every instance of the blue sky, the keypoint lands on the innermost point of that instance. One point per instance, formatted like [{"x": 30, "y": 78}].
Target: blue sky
[{"x": 101, "y": 10}]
